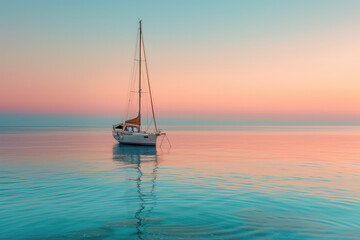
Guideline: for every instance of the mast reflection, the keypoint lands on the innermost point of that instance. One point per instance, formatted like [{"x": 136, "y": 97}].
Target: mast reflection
[{"x": 144, "y": 160}]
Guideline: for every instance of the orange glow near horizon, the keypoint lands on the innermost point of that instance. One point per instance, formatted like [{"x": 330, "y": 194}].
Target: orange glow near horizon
[{"x": 313, "y": 76}]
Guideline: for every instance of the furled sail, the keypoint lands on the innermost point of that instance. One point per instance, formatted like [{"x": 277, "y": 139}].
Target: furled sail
[{"x": 135, "y": 121}]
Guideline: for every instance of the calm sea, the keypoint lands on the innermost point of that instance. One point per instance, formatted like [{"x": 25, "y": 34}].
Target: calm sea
[{"x": 213, "y": 183}]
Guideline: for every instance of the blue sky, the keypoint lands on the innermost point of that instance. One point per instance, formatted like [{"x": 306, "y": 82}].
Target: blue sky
[{"x": 52, "y": 51}]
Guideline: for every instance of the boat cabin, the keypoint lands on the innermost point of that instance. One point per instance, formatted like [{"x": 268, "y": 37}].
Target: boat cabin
[{"x": 127, "y": 128}]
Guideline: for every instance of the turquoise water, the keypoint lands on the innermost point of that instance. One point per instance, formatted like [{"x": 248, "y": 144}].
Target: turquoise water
[{"x": 213, "y": 183}]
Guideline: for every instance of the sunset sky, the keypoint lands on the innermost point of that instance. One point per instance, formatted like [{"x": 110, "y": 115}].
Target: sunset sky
[{"x": 260, "y": 62}]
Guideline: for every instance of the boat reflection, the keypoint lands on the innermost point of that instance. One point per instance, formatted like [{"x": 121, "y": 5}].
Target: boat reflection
[
  {"x": 129, "y": 154},
  {"x": 144, "y": 160}
]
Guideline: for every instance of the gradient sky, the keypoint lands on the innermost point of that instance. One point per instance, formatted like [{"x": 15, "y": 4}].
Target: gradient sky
[{"x": 238, "y": 60}]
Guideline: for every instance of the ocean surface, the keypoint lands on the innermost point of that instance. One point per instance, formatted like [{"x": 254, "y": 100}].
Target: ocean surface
[{"x": 215, "y": 182}]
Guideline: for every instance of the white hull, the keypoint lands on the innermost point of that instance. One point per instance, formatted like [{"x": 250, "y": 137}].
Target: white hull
[{"x": 135, "y": 138}]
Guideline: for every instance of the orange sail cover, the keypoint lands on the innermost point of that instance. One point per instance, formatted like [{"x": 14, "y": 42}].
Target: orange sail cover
[{"x": 135, "y": 121}]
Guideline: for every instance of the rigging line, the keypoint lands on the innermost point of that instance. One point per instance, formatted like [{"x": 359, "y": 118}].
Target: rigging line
[
  {"x": 149, "y": 119},
  {"x": 147, "y": 113},
  {"x": 131, "y": 96},
  {"x": 147, "y": 107},
  {"x": 132, "y": 77},
  {"x": 140, "y": 43},
  {"x": 148, "y": 79},
  {"x": 129, "y": 93}
]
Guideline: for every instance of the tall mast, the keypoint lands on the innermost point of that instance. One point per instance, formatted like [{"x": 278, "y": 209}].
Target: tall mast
[{"x": 140, "y": 40}]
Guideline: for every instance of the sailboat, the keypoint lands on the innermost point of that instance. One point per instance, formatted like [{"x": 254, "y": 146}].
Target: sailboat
[{"x": 132, "y": 132}]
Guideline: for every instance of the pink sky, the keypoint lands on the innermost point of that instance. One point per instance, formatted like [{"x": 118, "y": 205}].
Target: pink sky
[{"x": 306, "y": 74}]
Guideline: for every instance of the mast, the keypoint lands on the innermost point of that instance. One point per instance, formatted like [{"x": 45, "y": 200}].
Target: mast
[{"x": 140, "y": 40}]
